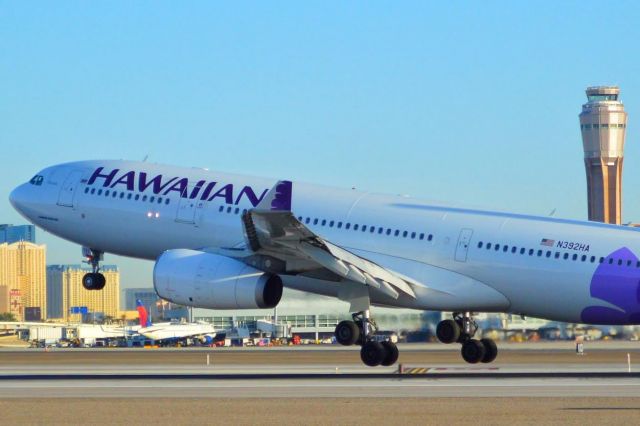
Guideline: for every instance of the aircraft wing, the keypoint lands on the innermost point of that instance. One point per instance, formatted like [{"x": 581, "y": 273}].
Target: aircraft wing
[{"x": 275, "y": 236}]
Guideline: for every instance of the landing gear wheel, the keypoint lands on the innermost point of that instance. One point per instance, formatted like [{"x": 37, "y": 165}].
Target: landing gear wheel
[
  {"x": 473, "y": 351},
  {"x": 448, "y": 331},
  {"x": 490, "y": 350},
  {"x": 347, "y": 333},
  {"x": 391, "y": 353},
  {"x": 372, "y": 353},
  {"x": 90, "y": 281},
  {"x": 93, "y": 281}
]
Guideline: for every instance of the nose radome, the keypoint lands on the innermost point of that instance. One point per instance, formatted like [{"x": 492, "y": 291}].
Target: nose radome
[{"x": 17, "y": 197}]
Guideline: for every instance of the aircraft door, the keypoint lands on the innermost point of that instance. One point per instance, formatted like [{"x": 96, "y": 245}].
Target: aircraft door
[
  {"x": 463, "y": 245},
  {"x": 67, "y": 194},
  {"x": 189, "y": 210}
]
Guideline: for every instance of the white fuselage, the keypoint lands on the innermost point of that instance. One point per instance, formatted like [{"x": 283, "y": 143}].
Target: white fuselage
[{"x": 466, "y": 259}]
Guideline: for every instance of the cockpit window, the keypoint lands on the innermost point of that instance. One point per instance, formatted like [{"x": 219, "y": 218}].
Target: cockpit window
[{"x": 36, "y": 180}]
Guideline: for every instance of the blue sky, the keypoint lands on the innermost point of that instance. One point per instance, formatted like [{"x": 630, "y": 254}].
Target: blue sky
[{"x": 472, "y": 103}]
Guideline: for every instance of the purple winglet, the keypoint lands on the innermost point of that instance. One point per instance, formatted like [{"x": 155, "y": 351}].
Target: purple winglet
[{"x": 282, "y": 198}]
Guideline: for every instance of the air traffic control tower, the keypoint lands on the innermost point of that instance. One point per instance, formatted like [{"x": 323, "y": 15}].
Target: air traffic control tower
[{"x": 603, "y": 123}]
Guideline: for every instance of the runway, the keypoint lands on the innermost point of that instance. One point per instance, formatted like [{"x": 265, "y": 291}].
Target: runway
[{"x": 540, "y": 383}]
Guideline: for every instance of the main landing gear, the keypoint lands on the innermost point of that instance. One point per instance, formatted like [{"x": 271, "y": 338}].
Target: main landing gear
[
  {"x": 461, "y": 329},
  {"x": 93, "y": 280},
  {"x": 361, "y": 331}
]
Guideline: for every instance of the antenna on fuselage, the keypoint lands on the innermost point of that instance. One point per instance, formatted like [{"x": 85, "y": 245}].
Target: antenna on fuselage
[
  {"x": 144, "y": 160},
  {"x": 552, "y": 213}
]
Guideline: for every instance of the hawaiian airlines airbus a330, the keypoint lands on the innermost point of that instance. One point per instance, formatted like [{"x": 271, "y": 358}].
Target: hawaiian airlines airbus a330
[{"x": 226, "y": 241}]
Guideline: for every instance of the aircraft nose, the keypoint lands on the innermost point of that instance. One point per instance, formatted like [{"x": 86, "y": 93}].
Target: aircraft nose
[{"x": 18, "y": 197}]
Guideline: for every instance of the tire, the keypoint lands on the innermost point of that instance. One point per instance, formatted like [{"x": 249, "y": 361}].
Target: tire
[
  {"x": 372, "y": 353},
  {"x": 347, "y": 333},
  {"x": 391, "y": 353},
  {"x": 89, "y": 281},
  {"x": 490, "y": 350},
  {"x": 448, "y": 331},
  {"x": 101, "y": 281},
  {"x": 472, "y": 351}
]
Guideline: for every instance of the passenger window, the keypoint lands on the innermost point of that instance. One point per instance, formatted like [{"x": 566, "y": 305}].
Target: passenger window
[
  {"x": 497, "y": 246},
  {"x": 619, "y": 262},
  {"x": 237, "y": 210},
  {"x": 331, "y": 224},
  {"x": 422, "y": 236},
  {"x": 372, "y": 229},
  {"x": 584, "y": 257},
  {"x": 539, "y": 253},
  {"x": 324, "y": 222},
  {"x": 315, "y": 221},
  {"x": 531, "y": 252},
  {"x": 159, "y": 200},
  {"x": 380, "y": 230},
  {"x": 347, "y": 226},
  {"x": 167, "y": 201},
  {"x": 307, "y": 220},
  {"x": 129, "y": 195},
  {"x": 93, "y": 190},
  {"x": 137, "y": 197},
  {"x": 430, "y": 237},
  {"x": 522, "y": 250},
  {"x": 628, "y": 263},
  {"x": 488, "y": 246},
  {"x": 557, "y": 255},
  {"x": 574, "y": 257},
  {"x": 114, "y": 194},
  {"x": 413, "y": 235},
  {"x": 505, "y": 249},
  {"x": 86, "y": 190},
  {"x": 404, "y": 234},
  {"x": 593, "y": 259},
  {"x": 106, "y": 193},
  {"x": 339, "y": 225},
  {"x": 566, "y": 256},
  {"x": 355, "y": 227},
  {"x": 152, "y": 199},
  {"x": 548, "y": 254},
  {"x": 221, "y": 209},
  {"x": 480, "y": 244},
  {"x": 122, "y": 195},
  {"x": 601, "y": 260},
  {"x": 397, "y": 232},
  {"x": 388, "y": 231},
  {"x": 610, "y": 260},
  {"x": 229, "y": 209},
  {"x": 514, "y": 249},
  {"x": 144, "y": 198}
]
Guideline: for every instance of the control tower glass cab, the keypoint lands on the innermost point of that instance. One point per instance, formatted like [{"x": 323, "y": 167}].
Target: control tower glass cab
[{"x": 603, "y": 122}]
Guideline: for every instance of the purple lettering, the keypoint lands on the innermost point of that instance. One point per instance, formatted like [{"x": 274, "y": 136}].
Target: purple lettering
[
  {"x": 180, "y": 186},
  {"x": 208, "y": 190},
  {"x": 126, "y": 179},
  {"x": 107, "y": 178},
  {"x": 225, "y": 192},
  {"x": 253, "y": 199},
  {"x": 196, "y": 189},
  {"x": 143, "y": 184}
]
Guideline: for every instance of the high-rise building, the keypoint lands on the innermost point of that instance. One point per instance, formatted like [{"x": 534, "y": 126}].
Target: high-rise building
[
  {"x": 12, "y": 234},
  {"x": 603, "y": 122},
  {"x": 22, "y": 278},
  {"x": 65, "y": 291},
  {"x": 147, "y": 295}
]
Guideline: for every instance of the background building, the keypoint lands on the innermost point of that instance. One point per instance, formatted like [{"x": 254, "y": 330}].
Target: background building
[
  {"x": 12, "y": 234},
  {"x": 603, "y": 122},
  {"x": 65, "y": 290},
  {"x": 22, "y": 278},
  {"x": 147, "y": 295}
]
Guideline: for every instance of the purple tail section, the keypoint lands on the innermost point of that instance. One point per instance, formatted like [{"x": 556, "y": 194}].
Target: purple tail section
[
  {"x": 282, "y": 198},
  {"x": 619, "y": 285}
]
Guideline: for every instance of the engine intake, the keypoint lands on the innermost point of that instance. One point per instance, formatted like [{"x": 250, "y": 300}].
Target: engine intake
[{"x": 206, "y": 280}]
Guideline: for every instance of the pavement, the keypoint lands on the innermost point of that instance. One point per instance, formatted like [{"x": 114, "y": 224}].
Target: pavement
[{"x": 320, "y": 385}]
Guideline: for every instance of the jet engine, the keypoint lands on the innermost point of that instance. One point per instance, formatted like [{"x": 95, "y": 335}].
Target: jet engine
[{"x": 206, "y": 280}]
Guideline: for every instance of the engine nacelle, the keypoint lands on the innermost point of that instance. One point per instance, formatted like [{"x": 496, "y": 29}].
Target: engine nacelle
[{"x": 205, "y": 280}]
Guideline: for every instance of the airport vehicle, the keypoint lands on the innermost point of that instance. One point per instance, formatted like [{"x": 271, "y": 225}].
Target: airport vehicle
[
  {"x": 173, "y": 331},
  {"x": 226, "y": 241}
]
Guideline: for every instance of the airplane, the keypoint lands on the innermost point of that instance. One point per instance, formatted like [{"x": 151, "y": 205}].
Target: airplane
[
  {"x": 202, "y": 331},
  {"x": 229, "y": 241}
]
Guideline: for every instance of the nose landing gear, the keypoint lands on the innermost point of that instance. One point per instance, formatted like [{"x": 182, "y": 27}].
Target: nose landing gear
[
  {"x": 93, "y": 280},
  {"x": 461, "y": 329},
  {"x": 362, "y": 331}
]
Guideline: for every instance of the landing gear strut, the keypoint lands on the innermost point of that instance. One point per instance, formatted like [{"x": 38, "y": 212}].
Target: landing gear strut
[
  {"x": 461, "y": 329},
  {"x": 93, "y": 280},
  {"x": 361, "y": 331}
]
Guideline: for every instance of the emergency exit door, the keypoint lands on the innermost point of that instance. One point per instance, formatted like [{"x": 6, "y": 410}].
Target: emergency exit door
[{"x": 462, "y": 249}]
